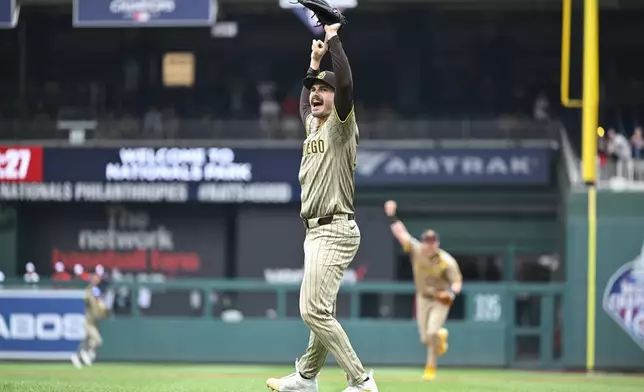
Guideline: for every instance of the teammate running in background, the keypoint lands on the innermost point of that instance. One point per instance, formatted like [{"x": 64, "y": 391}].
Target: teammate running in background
[
  {"x": 437, "y": 278},
  {"x": 95, "y": 310}
]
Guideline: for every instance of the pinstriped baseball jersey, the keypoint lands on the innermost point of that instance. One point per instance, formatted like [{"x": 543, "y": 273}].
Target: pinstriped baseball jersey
[{"x": 328, "y": 165}]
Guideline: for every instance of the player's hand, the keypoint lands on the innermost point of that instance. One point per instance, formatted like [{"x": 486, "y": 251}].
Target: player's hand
[
  {"x": 331, "y": 30},
  {"x": 390, "y": 208},
  {"x": 318, "y": 49}
]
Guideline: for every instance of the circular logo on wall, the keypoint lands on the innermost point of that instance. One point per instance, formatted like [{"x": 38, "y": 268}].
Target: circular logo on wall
[{"x": 624, "y": 298}]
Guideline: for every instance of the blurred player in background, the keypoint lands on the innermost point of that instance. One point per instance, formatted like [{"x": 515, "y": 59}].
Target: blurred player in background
[
  {"x": 437, "y": 278},
  {"x": 106, "y": 291},
  {"x": 95, "y": 310}
]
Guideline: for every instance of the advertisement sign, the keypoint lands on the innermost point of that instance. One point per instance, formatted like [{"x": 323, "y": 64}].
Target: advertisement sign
[
  {"x": 41, "y": 325},
  {"x": 144, "y": 13},
  {"x": 176, "y": 175},
  {"x": 185, "y": 241},
  {"x": 148, "y": 243},
  {"x": 624, "y": 298},
  {"x": 9, "y": 13},
  {"x": 241, "y": 175},
  {"x": 21, "y": 164},
  {"x": 452, "y": 166}
]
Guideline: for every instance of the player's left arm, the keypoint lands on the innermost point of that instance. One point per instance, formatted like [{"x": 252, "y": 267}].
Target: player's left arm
[{"x": 343, "y": 102}]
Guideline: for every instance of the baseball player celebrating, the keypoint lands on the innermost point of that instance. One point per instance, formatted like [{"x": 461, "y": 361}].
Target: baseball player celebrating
[
  {"x": 332, "y": 234},
  {"x": 437, "y": 278}
]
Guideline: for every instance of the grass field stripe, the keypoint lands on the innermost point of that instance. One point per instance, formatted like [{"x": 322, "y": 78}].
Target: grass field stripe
[{"x": 536, "y": 378}]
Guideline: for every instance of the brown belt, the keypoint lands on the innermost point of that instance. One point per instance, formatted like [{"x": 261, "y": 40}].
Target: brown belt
[{"x": 315, "y": 222}]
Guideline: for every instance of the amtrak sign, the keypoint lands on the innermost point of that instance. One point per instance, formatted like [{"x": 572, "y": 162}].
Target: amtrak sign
[
  {"x": 624, "y": 298},
  {"x": 453, "y": 166}
]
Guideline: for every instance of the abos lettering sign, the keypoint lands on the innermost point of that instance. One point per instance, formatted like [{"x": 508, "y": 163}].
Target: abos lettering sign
[
  {"x": 144, "y": 13},
  {"x": 41, "y": 325}
]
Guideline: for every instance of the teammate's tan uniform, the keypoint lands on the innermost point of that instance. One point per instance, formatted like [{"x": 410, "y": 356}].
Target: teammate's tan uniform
[
  {"x": 431, "y": 275},
  {"x": 94, "y": 311}
]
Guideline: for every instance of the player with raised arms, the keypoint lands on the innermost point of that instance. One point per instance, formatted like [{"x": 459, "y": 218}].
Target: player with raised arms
[{"x": 332, "y": 234}]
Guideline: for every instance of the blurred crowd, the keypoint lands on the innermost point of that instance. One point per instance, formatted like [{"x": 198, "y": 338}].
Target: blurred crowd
[
  {"x": 621, "y": 155},
  {"x": 497, "y": 74},
  {"x": 60, "y": 273},
  {"x": 482, "y": 73}
]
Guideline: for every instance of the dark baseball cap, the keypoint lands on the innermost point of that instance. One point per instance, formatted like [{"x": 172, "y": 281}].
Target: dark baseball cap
[
  {"x": 430, "y": 236},
  {"x": 327, "y": 77}
]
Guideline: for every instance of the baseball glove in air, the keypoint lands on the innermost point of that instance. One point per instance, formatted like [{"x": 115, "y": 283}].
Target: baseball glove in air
[{"x": 326, "y": 14}]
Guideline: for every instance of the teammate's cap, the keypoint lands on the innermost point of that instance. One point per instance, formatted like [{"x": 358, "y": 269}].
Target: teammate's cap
[
  {"x": 430, "y": 236},
  {"x": 327, "y": 77}
]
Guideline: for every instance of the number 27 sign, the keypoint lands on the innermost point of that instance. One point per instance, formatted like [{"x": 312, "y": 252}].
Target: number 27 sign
[{"x": 21, "y": 164}]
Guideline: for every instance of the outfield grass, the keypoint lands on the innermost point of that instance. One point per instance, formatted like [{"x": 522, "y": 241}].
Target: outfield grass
[{"x": 24, "y": 377}]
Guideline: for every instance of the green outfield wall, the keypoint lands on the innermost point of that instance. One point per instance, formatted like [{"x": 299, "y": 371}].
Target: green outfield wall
[{"x": 486, "y": 336}]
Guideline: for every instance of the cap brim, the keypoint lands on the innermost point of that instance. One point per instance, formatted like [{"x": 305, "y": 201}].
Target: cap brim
[{"x": 310, "y": 80}]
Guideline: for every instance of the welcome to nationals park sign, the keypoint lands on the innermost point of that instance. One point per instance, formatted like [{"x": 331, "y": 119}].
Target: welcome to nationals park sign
[
  {"x": 242, "y": 175},
  {"x": 176, "y": 175}
]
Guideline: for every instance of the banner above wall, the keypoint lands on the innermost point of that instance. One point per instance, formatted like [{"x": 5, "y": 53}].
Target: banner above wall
[
  {"x": 144, "y": 13},
  {"x": 9, "y": 13},
  {"x": 241, "y": 175},
  {"x": 175, "y": 175}
]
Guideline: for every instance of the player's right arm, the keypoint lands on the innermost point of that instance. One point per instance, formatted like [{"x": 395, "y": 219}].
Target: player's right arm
[
  {"x": 318, "y": 49},
  {"x": 398, "y": 228}
]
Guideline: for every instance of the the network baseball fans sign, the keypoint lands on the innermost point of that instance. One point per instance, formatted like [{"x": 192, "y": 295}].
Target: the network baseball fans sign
[{"x": 176, "y": 175}]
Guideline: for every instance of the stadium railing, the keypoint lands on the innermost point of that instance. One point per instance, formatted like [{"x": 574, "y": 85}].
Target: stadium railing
[
  {"x": 621, "y": 175},
  {"x": 627, "y": 174}
]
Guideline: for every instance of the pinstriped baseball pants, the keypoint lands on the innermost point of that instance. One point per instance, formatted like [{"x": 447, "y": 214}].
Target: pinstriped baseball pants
[{"x": 328, "y": 251}]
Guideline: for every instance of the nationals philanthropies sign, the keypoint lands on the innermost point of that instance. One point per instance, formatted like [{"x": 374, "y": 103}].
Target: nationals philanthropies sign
[{"x": 174, "y": 241}]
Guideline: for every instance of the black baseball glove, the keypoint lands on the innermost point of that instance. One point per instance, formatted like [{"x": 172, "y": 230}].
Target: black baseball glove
[{"x": 326, "y": 14}]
